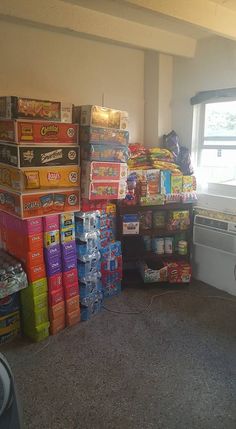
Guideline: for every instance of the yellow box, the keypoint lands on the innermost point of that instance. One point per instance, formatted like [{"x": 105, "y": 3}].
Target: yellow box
[
  {"x": 176, "y": 183},
  {"x": 40, "y": 177},
  {"x": 38, "y": 333}
]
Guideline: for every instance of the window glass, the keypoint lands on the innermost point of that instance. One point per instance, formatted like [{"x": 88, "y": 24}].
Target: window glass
[{"x": 220, "y": 119}]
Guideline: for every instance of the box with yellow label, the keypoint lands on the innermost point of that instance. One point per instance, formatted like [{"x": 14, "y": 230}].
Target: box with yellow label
[{"x": 39, "y": 178}]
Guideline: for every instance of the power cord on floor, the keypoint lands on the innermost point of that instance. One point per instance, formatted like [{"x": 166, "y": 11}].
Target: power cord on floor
[{"x": 169, "y": 292}]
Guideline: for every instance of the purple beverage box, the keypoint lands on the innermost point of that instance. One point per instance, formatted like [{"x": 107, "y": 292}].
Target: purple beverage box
[
  {"x": 53, "y": 266},
  {"x": 69, "y": 262},
  {"x": 52, "y": 252},
  {"x": 68, "y": 249}
]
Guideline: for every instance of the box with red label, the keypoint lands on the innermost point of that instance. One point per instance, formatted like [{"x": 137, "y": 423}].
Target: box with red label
[
  {"x": 57, "y": 310},
  {"x": 70, "y": 277},
  {"x": 50, "y": 223},
  {"x": 41, "y": 178},
  {"x": 36, "y": 272},
  {"x": 30, "y": 108},
  {"x": 178, "y": 272},
  {"x": 57, "y": 325},
  {"x": 24, "y": 156},
  {"x": 56, "y": 296},
  {"x": 28, "y": 205},
  {"x": 73, "y": 318},
  {"x": 55, "y": 282},
  {"x": 16, "y": 131},
  {"x": 71, "y": 290},
  {"x": 103, "y": 190},
  {"x": 34, "y": 258},
  {"x": 103, "y": 171},
  {"x": 89, "y": 134}
]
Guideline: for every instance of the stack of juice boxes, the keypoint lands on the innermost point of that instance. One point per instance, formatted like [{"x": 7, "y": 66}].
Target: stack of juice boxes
[
  {"x": 39, "y": 157},
  {"x": 104, "y": 139},
  {"x": 61, "y": 269}
]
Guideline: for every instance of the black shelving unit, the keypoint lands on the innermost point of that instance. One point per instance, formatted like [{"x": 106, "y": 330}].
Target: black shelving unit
[{"x": 133, "y": 247}]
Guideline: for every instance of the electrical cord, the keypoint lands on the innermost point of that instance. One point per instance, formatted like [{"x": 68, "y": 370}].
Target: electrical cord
[{"x": 148, "y": 307}]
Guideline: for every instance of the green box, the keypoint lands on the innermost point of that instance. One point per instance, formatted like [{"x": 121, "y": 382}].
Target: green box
[
  {"x": 176, "y": 183},
  {"x": 39, "y": 333}
]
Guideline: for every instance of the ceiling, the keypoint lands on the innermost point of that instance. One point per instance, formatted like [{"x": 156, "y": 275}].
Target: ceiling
[{"x": 230, "y": 4}]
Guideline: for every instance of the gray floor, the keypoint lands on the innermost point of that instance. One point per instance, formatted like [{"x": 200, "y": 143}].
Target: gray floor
[{"x": 171, "y": 367}]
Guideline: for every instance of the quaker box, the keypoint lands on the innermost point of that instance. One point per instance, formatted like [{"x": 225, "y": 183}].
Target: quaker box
[
  {"x": 40, "y": 178},
  {"x": 89, "y": 134},
  {"x": 103, "y": 171},
  {"x": 98, "y": 116},
  {"x": 38, "y": 156},
  {"x": 28, "y": 108},
  {"x": 32, "y": 204}
]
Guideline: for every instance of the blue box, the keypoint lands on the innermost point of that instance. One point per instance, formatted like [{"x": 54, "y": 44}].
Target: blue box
[
  {"x": 9, "y": 304},
  {"x": 165, "y": 179}
]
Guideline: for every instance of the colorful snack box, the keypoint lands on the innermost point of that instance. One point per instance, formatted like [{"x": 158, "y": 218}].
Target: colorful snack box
[
  {"x": 28, "y": 108},
  {"x": 57, "y": 325},
  {"x": 67, "y": 220},
  {"x": 72, "y": 304},
  {"x": 51, "y": 223},
  {"x": 68, "y": 235},
  {"x": 55, "y": 282},
  {"x": 71, "y": 290},
  {"x": 103, "y": 171},
  {"x": 103, "y": 135},
  {"x": 176, "y": 183},
  {"x": 98, "y": 116},
  {"x": 179, "y": 272},
  {"x": 69, "y": 263},
  {"x": 28, "y": 205},
  {"x": 104, "y": 152},
  {"x": 56, "y": 296},
  {"x": 34, "y": 258},
  {"x": 32, "y": 318},
  {"x": 130, "y": 224},
  {"x": 33, "y": 242},
  {"x": 73, "y": 318},
  {"x": 25, "y": 156},
  {"x": 104, "y": 190},
  {"x": 189, "y": 183},
  {"x": 36, "y": 273},
  {"x": 57, "y": 311},
  {"x": 68, "y": 248},
  {"x": 152, "y": 200},
  {"x": 9, "y": 304},
  {"x": 43, "y": 178},
  {"x": 53, "y": 266},
  {"x": 165, "y": 185},
  {"x": 17, "y": 131},
  {"x": 52, "y": 252},
  {"x": 70, "y": 277},
  {"x": 52, "y": 238},
  {"x": 34, "y": 304},
  {"x": 30, "y": 226},
  {"x": 37, "y": 333},
  {"x": 37, "y": 288}
]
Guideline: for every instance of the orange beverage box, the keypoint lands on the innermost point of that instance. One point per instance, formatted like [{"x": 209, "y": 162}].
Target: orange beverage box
[
  {"x": 34, "y": 258},
  {"x": 73, "y": 318},
  {"x": 57, "y": 325},
  {"x": 36, "y": 273},
  {"x": 72, "y": 304},
  {"x": 56, "y": 296},
  {"x": 57, "y": 311},
  {"x": 33, "y": 242}
]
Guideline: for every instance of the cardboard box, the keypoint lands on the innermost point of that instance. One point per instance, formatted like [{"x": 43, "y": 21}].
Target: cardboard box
[
  {"x": 50, "y": 223},
  {"x": 41, "y": 178},
  {"x": 28, "y": 205},
  {"x": 34, "y": 258},
  {"x": 37, "y": 333},
  {"x": 103, "y": 135},
  {"x": 32, "y": 242},
  {"x": 57, "y": 325},
  {"x": 176, "y": 183},
  {"x": 52, "y": 238},
  {"x": 25, "y": 156},
  {"x": 67, "y": 220},
  {"x": 130, "y": 224},
  {"x": 9, "y": 327},
  {"x": 152, "y": 200},
  {"x": 53, "y": 266},
  {"x": 10, "y": 304},
  {"x": 55, "y": 282},
  {"x": 72, "y": 304},
  {"x": 103, "y": 171},
  {"x": 36, "y": 272},
  {"x": 73, "y": 318},
  {"x": 57, "y": 311},
  {"x": 70, "y": 277},
  {"x": 71, "y": 290},
  {"x": 189, "y": 183},
  {"x": 56, "y": 296},
  {"x": 38, "y": 287},
  {"x": 68, "y": 249},
  {"x": 105, "y": 153},
  {"x": 98, "y": 116},
  {"x": 68, "y": 235},
  {"x": 28, "y": 108},
  {"x": 16, "y": 131},
  {"x": 153, "y": 275},
  {"x": 36, "y": 303},
  {"x": 103, "y": 190}
]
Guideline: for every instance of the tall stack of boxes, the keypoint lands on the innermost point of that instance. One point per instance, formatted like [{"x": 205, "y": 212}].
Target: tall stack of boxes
[{"x": 39, "y": 159}]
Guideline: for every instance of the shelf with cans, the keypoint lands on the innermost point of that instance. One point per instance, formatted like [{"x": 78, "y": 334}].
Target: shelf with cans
[{"x": 157, "y": 241}]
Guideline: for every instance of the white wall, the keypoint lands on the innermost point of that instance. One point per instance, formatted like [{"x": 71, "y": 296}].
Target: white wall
[
  {"x": 45, "y": 64},
  {"x": 214, "y": 67}
]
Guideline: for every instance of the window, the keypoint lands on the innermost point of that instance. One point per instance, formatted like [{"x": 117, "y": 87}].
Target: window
[{"x": 214, "y": 144}]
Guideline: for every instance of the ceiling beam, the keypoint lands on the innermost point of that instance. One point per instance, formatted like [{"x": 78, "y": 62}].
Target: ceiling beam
[
  {"x": 206, "y": 14},
  {"x": 65, "y": 16}
]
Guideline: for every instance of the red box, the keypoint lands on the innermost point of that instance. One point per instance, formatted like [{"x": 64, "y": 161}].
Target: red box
[
  {"x": 179, "y": 272},
  {"x": 103, "y": 190},
  {"x": 34, "y": 258},
  {"x": 72, "y": 304},
  {"x": 73, "y": 318},
  {"x": 71, "y": 290},
  {"x": 57, "y": 311},
  {"x": 57, "y": 325},
  {"x": 51, "y": 223},
  {"x": 32, "y": 242},
  {"x": 96, "y": 171},
  {"x": 70, "y": 277},
  {"x": 36, "y": 273},
  {"x": 55, "y": 282},
  {"x": 56, "y": 296}
]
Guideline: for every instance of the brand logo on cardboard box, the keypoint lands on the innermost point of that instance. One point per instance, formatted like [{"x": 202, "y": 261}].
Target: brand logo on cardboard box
[
  {"x": 50, "y": 129},
  {"x": 53, "y": 176},
  {"x": 51, "y": 156}
]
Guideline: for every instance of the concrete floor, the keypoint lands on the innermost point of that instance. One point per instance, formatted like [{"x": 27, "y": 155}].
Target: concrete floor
[{"x": 173, "y": 367}]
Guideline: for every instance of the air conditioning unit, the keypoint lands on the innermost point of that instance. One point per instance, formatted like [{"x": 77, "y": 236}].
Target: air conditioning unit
[{"x": 214, "y": 260}]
